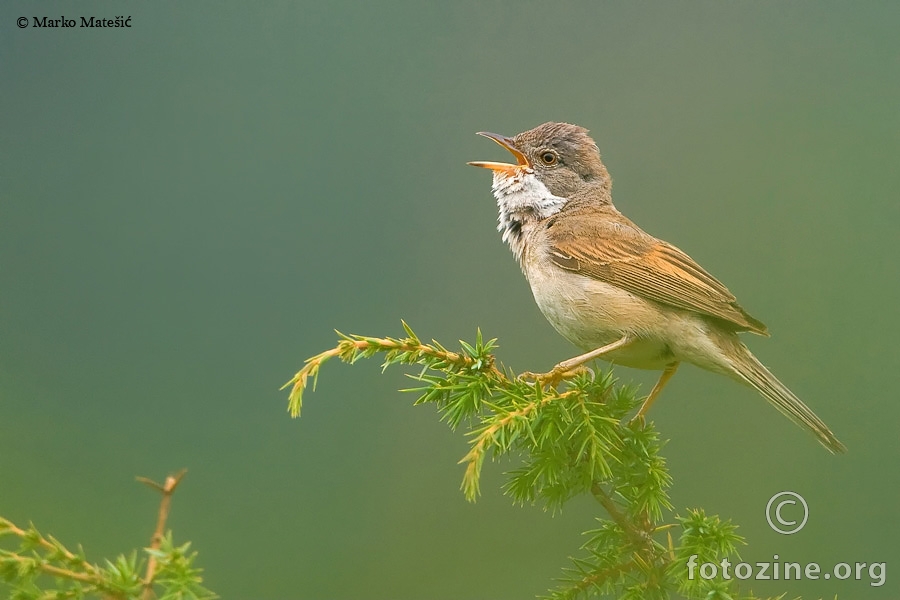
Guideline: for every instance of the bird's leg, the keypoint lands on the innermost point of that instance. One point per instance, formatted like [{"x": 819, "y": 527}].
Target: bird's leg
[
  {"x": 654, "y": 393},
  {"x": 572, "y": 365}
]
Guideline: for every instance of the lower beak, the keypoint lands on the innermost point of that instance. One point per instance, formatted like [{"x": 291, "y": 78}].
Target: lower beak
[
  {"x": 509, "y": 169},
  {"x": 505, "y": 168}
]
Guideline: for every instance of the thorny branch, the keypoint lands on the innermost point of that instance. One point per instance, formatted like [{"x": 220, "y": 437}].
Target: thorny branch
[
  {"x": 166, "y": 489},
  {"x": 570, "y": 438}
]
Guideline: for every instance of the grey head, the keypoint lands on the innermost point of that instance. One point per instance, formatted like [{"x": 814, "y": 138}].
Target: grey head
[
  {"x": 561, "y": 155},
  {"x": 557, "y": 166}
]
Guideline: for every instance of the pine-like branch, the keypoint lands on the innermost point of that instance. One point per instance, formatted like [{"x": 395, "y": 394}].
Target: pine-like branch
[
  {"x": 570, "y": 439},
  {"x": 42, "y": 568}
]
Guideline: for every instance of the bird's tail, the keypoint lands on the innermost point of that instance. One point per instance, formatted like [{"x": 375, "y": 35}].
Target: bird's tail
[{"x": 752, "y": 372}]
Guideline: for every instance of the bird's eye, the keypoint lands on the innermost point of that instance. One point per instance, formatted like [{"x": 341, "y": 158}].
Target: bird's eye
[{"x": 548, "y": 158}]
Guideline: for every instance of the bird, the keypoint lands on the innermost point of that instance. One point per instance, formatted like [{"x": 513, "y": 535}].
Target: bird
[{"x": 613, "y": 290}]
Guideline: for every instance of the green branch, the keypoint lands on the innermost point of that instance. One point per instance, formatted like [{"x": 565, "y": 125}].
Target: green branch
[
  {"x": 351, "y": 348},
  {"x": 573, "y": 439},
  {"x": 40, "y": 567}
]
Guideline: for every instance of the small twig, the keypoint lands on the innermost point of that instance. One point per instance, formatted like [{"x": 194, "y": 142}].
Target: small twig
[
  {"x": 58, "y": 571},
  {"x": 599, "y": 577},
  {"x": 475, "y": 456},
  {"x": 487, "y": 435},
  {"x": 51, "y": 545},
  {"x": 352, "y": 347},
  {"x": 167, "y": 489},
  {"x": 641, "y": 538}
]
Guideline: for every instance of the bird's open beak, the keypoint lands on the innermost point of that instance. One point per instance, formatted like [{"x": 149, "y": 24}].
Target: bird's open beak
[{"x": 509, "y": 169}]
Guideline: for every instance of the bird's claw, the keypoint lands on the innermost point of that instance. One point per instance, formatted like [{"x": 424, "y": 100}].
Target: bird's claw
[{"x": 554, "y": 376}]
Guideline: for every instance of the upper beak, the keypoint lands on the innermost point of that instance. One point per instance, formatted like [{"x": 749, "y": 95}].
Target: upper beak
[{"x": 506, "y": 142}]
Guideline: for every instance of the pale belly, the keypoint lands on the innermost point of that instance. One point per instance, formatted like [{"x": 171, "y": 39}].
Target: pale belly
[{"x": 591, "y": 314}]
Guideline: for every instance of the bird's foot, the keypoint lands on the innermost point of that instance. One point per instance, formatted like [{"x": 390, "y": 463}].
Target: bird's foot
[{"x": 554, "y": 376}]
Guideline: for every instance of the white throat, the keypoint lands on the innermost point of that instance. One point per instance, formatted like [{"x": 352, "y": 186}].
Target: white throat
[{"x": 522, "y": 198}]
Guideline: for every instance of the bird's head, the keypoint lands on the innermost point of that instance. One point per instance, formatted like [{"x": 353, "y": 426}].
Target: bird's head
[{"x": 561, "y": 156}]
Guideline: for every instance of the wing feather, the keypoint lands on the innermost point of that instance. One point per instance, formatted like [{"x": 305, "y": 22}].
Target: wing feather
[{"x": 617, "y": 252}]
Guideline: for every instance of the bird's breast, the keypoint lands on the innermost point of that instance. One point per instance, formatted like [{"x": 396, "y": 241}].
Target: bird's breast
[{"x": 590, "y": 313}]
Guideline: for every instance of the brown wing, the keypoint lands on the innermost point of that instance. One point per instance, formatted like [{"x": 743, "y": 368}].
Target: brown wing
[{"x": 609, "y": 248}]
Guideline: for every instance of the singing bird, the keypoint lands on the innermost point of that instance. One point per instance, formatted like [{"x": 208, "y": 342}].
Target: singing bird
[{"x": 612, "y": 289}]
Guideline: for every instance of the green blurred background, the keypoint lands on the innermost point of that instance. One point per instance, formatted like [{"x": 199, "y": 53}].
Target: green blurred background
[{"x": 188, "y": 208}]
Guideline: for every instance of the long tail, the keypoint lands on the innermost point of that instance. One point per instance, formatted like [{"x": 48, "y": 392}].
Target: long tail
[{"x": 749, "y": 370}]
